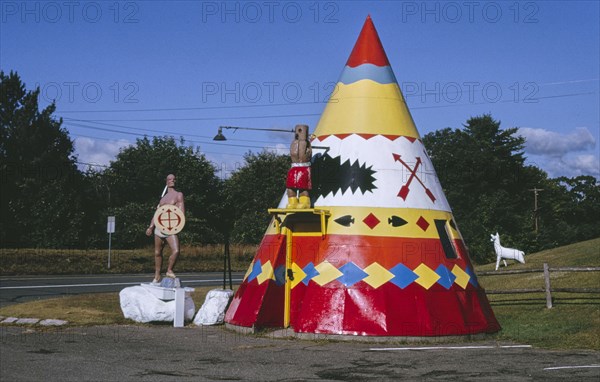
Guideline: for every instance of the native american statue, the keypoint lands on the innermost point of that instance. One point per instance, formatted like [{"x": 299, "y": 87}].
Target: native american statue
[
  {"x": 167, "y": 222},
  {"x": 298, "y": 181}
]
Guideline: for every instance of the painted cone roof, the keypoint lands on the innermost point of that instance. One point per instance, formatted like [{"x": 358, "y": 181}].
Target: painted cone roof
[{"x": 393, "y": 262}]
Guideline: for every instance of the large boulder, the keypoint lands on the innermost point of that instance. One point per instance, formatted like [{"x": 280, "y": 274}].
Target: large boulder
[
  {"x": 213, "y": 310},
  {"x": 140, "y": 305}
]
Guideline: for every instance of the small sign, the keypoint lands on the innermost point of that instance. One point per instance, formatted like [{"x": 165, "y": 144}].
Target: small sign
[{"x": 110, "y": 225}]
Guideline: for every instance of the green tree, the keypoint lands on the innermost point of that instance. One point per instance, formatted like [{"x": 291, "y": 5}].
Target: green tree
[
  {"x": 584, "y": 206},
  {"x": 41, "y": 187},
  {"x": 251, "y": 190},
  {"x": 136, "y": 179},
  {"x": 486, "y": 182}
]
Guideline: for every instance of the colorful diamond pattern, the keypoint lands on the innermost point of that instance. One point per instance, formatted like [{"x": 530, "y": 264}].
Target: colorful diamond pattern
[
  {"x": 327, "y": 273},
  {"x": 462, "y": 277},
  {"x": 249, "y": 271},
  {"x": 422, "y": 223},
  {"x": 427, "y": 277},
  {"x": 280, "y": 275},
  {"x": 374, "y": 275},
  {"x": 299, "y": 275},
  {"x": 256, "y": 270},
  {"x": 446, "y": 277},
  {"x": 472, "y": 277},
  {"x": 371, "y": 221},
  {"x": 403, "y": 276},
  {"x": 267, "y": 273},
  {"x": 378, "y": 275},
  {"x": 351, "y": 274},
  {"x": 310, "y": 271}
]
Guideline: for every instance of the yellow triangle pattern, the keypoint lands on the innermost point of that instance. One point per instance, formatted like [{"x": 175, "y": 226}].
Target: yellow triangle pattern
[{"x": 299, "y": 275}]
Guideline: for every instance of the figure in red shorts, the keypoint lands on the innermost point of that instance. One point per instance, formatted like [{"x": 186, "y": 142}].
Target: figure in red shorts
[{"x": 298, "y": 178}]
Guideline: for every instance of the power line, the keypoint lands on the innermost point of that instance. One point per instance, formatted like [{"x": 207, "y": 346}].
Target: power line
[
  {"x": 204, "y": 118},
  {"x": 146, "y": 135},
  {"x": 191, "y": 108},
  {"x": 533, "y": 99},
  {"x": 159, "y": 131}
]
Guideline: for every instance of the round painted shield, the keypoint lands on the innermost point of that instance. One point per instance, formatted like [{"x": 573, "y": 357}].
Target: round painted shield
[{"x": 169, "y": 219}]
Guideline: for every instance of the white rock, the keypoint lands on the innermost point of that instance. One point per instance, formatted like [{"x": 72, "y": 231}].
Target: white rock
[
  {"x": 28, "y": 320},
  {"x": 138, "y": 304},
  {"x": 53, "y": 322},
  {"x": 213, "y": 310},
  {"x": 10, "y": 320}
]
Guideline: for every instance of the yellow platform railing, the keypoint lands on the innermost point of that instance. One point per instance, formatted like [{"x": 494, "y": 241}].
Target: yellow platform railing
[{"x": 323, "y": 213}]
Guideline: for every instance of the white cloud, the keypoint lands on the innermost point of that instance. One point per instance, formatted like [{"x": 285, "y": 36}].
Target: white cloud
[
  {"x": 560, "y": 154},
  {"x": 281, "y": 149},
  {"x": 95, "y": 151},
  {"x": 585, "y": 164},
  {"x": 545, "y": 142}
]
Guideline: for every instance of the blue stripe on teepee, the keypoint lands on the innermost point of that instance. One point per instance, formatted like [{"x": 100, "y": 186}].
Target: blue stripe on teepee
[{"x": 379, "y": 74}]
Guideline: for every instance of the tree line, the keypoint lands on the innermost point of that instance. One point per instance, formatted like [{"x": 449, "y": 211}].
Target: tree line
[{"x": 47, "y": 201}]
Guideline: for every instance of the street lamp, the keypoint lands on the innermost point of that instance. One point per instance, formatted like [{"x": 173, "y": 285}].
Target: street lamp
[{"x": 221, "y": 137}]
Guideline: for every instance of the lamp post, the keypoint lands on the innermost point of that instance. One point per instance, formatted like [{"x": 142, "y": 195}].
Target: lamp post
[
  {"x": 226, "y": 254},
  {"x": 221, "y": 137}
]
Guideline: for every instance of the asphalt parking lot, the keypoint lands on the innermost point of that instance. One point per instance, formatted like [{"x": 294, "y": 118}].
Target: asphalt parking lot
[{"x": 163, "y": 353}]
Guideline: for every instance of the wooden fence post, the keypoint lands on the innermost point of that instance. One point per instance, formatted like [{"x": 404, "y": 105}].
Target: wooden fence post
[{"x": 548, "y": 292}]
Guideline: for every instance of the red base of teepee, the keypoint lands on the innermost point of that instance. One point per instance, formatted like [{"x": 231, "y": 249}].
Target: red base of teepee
[{"x": 361, "y": 309}]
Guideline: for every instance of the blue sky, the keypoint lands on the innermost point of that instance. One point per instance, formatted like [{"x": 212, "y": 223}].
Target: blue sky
[{"x": 119, "y": 70}]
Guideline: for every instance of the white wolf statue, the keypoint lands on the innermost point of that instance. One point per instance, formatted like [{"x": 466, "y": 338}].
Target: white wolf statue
[{"x": 506, "y": 253}]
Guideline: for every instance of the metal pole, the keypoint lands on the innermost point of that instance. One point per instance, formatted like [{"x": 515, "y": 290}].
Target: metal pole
[
  {"x": 288, "y": 281},
  {"x": 225, "y": 266},
  {"x": 109, "y": 245},
  {"x": 228, "y": 255}
]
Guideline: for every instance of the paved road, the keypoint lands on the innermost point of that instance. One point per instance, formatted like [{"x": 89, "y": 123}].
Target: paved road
[
  {"x": 16, "y": 289},
  {"x": 163, "y": 353}
]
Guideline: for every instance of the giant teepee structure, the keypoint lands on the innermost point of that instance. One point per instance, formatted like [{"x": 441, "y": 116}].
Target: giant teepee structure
[{"x": 379, "y": 254}]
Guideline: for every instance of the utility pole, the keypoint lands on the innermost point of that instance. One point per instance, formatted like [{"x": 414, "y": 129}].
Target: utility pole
[{"x": 535, "y": 206}]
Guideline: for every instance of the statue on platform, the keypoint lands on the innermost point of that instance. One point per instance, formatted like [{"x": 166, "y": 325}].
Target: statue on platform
[
  {"x": 503, "y": 253},
  {"x": 298, "y": 181},
  {"x": 168, "y": 220}
]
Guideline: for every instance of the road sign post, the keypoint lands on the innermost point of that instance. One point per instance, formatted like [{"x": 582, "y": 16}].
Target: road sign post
[{"x": 110, "y": 229}]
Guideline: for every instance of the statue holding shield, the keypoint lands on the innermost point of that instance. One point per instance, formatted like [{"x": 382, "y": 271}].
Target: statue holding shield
[{"x": 167, "y": 222}]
